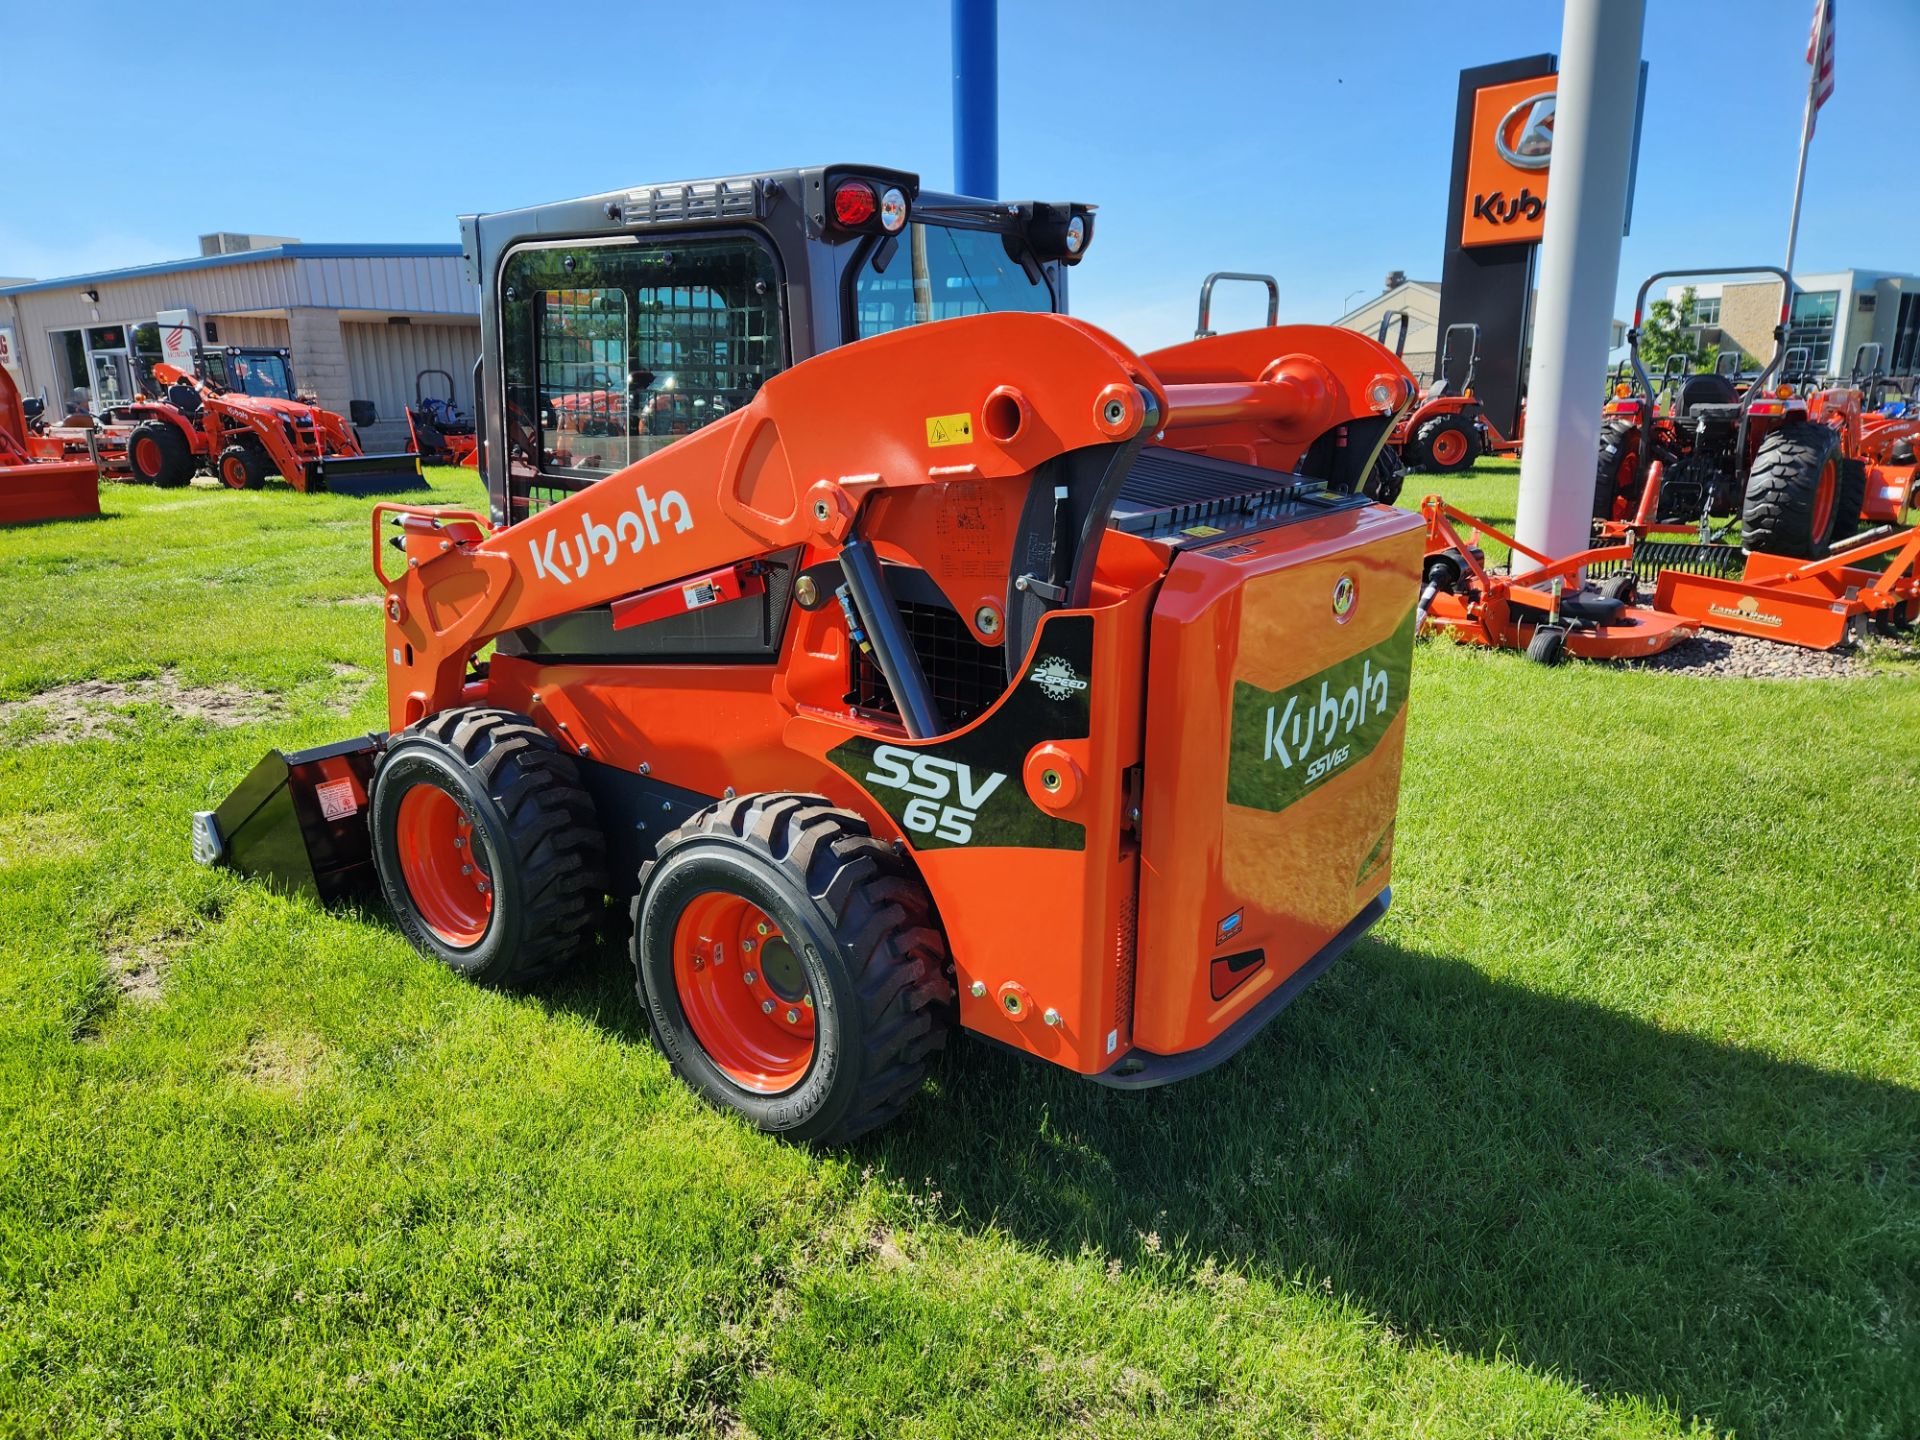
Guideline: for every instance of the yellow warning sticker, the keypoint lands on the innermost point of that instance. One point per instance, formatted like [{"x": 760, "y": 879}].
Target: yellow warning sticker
[
  {"x": 949, "y": 429},
  {"x": 1203, "y": 531}
]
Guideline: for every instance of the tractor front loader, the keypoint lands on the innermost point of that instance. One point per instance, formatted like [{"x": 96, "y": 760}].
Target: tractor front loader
[{"x": 957, "y": 668}]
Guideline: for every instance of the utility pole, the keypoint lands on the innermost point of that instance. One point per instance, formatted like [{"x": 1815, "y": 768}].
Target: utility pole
[{"x": 976, "y": 98}]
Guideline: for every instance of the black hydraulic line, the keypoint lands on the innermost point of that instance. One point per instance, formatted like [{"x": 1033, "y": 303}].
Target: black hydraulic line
[{"x": 887, "y": 635}]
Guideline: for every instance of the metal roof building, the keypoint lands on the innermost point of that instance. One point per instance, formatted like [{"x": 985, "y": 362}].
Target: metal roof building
[{"x": 361, "y": 321}]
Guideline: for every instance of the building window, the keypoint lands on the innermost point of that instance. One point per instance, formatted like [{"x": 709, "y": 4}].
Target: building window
[
  {"x": 614, "y": 352},
  {"x": 1706, "y": 310},
  {"x": 1810, "y": 327}
]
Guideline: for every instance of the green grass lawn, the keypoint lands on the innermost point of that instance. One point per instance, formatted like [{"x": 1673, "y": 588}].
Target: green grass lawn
[{"x": 1612, "y": 1128}]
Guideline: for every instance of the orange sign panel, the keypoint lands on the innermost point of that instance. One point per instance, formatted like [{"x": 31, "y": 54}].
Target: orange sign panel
[{"x": 1507, "y": 159}]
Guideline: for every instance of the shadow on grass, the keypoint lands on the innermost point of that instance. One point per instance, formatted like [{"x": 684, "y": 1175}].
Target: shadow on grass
[{"x": 1478, "y": 1164}]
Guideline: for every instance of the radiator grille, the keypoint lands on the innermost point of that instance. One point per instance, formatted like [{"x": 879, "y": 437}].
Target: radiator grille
[
  {"x": 965, "y": 676},
  {"x": 1123, "y": 960}
]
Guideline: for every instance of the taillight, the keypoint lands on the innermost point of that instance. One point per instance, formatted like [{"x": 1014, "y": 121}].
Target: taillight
[
  {"x": 893, "y": 210},
  {"x": 854, "y": 203}
]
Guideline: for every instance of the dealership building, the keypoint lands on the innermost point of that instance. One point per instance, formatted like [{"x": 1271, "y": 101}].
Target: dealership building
[
  {"x": 1835, "y": 312},
  {"x": 360, "y": 321}
]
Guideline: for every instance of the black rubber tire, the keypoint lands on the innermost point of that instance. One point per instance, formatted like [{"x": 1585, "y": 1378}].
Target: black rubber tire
[
  {"x": 545, "y": 848},
  {"x": 176, "y": 455},
  {"x": 1619, "y": 448},
  {"x": 1622, "y": 587},
  {"x": 874, "y": 956},
  {"x": 1852, "y": 499},
  {"x": 1423, "y": 444},
  {"x": 1387, "y": 478},
  {"x": 252, "y": 463},
  {"x": 1777, "y": 516},
  {"x": 1548, "y": 645}
]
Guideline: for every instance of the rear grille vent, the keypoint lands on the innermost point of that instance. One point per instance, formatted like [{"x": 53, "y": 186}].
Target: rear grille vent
[
  {"x": 965, "y": 676},
  {"x": 1123, "y": 961},
  {"x": 717, "y": 200}
]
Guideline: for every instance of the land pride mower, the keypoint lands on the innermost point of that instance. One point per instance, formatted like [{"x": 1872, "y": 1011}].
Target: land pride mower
[
  {"x": 238, "y": 419},
  {"x": 979, "y": 672}
]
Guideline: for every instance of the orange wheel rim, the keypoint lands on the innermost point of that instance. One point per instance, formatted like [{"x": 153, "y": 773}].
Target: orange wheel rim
[
  {"x": 444, "y": 863},
  {"x": 146, "y": 455},
  {"x": 1448, "y": 447},
  {"x": 1623, "y": 491},
  {"x": 744, "y": 992},
  {"x": 234, "y": 472},
  {"x": 1824, "y": 499}
]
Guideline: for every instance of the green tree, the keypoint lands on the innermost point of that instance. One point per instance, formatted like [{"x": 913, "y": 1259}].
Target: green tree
[{"x": 1674, "y": 329}]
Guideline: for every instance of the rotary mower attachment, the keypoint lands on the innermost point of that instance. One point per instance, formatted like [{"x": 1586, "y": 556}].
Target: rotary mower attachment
[{"x": 1547, "y": 610}]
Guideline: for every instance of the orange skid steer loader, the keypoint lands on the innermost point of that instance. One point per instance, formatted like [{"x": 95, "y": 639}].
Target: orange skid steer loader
[{"x": 978, "y": 673}]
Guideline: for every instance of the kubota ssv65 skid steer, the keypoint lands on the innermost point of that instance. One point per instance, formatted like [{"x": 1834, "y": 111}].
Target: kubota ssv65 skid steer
[{"x": 896, "y": 652}]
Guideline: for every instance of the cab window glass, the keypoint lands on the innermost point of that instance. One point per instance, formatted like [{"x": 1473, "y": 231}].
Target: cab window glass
[
  {"x": 937, "y": 273},
  {"x": 613, "y": 352}
]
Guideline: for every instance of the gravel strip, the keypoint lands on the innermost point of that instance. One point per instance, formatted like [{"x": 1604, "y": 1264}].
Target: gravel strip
[{"x": 1746, "y": 658}]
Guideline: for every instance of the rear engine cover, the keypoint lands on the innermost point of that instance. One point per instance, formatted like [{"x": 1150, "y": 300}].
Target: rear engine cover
[{"x": 1277, "y": 690}]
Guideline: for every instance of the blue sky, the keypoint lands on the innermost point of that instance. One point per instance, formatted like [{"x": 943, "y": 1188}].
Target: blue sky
[{"x": 1309, "y": 140}]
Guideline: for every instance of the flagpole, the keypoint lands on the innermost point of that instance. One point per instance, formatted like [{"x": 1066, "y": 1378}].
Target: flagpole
[{"x": 1806, "y": 129}]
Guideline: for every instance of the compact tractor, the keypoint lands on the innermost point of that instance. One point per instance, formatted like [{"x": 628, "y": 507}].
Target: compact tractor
[
  {"x": 961, "y": 668},
  {"x": 442, "y": 435},
  {"x": 238, "y": 420},
  {"x": 1448, "y": 429}
]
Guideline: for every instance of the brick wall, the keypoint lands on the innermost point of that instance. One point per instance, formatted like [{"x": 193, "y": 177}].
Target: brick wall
[{"x": 1748, "y": 314}]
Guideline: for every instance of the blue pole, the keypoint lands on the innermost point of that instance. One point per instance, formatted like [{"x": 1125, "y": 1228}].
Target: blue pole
[{"x": 976, "y": 98}]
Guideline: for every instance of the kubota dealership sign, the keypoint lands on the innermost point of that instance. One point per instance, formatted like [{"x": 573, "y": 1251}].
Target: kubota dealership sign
[{"x": 1507, "y": 162}]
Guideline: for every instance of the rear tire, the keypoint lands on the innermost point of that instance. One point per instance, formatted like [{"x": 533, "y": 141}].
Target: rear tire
[
  {"x": 1853, "y": 499},
  {"x": 1446, "y": 444},
  {"x": 1617, "y": 474},
  {"x": 159, "y": 455},
  {"x": 1793, "y": 492},
  {"x": 1388, "y": 477},
  {"x": 486, "y": 845},
  {"x": 859, "y": 941}
]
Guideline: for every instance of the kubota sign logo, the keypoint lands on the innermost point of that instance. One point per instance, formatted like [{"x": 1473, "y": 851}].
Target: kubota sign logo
[
  {"x": 1507, "y": 162},
  {"x": 568, "y": 560},
  {"x": 1287, "y": 742}
]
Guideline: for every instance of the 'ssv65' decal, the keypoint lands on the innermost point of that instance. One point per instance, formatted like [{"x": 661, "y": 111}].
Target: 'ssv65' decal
[{"x": 934, "y": 782}]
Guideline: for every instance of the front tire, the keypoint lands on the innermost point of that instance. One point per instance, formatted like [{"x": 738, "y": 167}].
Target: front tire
[
  {"x": 790, "y": 966},
  {"x": 1793, "y": 492},
  {"x": 242, "y": 467},
  {"x": 486, "y": 845},
  {"x": 159, "y": 455},
  {"x": 1617, "y": 473}
]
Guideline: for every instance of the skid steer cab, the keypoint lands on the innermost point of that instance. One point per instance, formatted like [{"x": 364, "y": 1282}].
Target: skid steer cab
[{"x": 889, "y": 652}]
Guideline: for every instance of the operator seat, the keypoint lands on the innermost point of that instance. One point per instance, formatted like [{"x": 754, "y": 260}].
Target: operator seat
[
  {"x": 1709, "y": 396},
  {"x": 184, "y": 398}
]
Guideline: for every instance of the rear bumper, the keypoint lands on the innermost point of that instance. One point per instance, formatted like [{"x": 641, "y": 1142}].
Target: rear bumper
[{"x": 1142, "y": 1069}]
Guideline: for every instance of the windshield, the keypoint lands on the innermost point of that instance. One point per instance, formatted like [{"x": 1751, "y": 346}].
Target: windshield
[
  {"x": 935, "y": 274},
  {"x": 260, "y": 375}
]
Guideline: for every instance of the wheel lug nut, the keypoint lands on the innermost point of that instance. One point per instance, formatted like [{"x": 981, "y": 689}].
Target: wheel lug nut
[
  {"x": 466, "y": 869},
  {"x": 793, "y": 1017},
  {"x": 746, "y": 947},
  {"x": 458, "y": 841},
  {"x": 807, "y": 1000},
  {"x": 977, "y": 989},
  {"x": 766, "y": 1007},
  {"x": 762, "y": 927},
  {"x": 752, "y": 977}
]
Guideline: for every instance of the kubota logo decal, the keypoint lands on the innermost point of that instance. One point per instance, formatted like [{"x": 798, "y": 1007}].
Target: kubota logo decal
[
  {"x": 1286, "y": 742},
  {"x": 1344, "y": 592},
  {"x": 1524, "y": 136},
  {"x": 1497, "y": 209},
  {"x": 555, "y": 557}
]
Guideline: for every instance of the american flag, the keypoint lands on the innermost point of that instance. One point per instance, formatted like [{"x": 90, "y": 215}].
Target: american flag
[{"x": 1820, "y": 38}]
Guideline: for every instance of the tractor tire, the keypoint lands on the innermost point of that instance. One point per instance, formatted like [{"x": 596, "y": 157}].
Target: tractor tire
[
  {"x": 1446, "y": 444},
  {"x": 1617, "y": 474},
  {"x": 1852, "y": 500},
  {"x": 486, "y": 845},
  {"x": 241, "y": 467},
  {"x": 1387, "y": 478},
  {"x": 1548, "y": 645},
  {"x": 1793, "y": 492},
  {"x": 790, "y": 966},
  {"x": 159, "y": 455}
]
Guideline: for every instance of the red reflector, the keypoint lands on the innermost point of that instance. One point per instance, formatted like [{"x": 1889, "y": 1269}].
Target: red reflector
[{"x": 853, "y": 202}]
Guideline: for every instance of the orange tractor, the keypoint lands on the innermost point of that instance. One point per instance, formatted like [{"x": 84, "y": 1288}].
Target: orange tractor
[
  {"x": 1448, "y": 429},
  {"x": 239, "y": 421},
  {"x": 960, "y": 669}
]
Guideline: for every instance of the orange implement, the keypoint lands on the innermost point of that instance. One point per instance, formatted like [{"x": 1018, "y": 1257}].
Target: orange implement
[{"x": 1815, "y": 604}]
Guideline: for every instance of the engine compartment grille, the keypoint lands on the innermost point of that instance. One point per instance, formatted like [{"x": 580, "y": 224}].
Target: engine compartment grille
[{"x": 965, "y": 676}]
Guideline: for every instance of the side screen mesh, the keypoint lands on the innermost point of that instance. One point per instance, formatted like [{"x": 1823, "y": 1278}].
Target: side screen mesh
[{"x": 615, "y": 351}]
